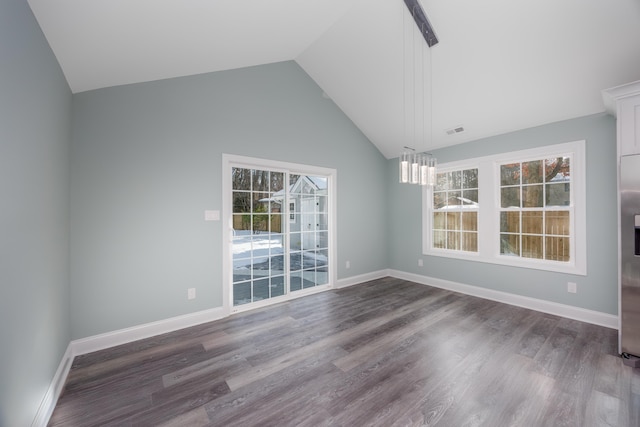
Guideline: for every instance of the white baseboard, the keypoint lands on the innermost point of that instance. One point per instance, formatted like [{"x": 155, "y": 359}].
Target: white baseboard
[
  {"x": 147, "y": 330},
  {"x": 111, "y": 339},
  {"x": 134, "y": 333},
  {"x": 50, "y": 398},
  {"x": 361, "y": 278},
  {"x": 563, "y": 310}
]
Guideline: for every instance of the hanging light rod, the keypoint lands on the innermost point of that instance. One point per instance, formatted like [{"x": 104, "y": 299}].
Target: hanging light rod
[
  {"x": 422, "y": 22},
  {"x": 414, "y": 150}
]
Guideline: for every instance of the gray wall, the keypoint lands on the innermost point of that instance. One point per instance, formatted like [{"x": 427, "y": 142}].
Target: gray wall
[
  {"x": 597, "y": 291},
  {"x": 146, "y": 162},
  {"x": 35, "y": 119},
  {"x": 128, "y": 232}
]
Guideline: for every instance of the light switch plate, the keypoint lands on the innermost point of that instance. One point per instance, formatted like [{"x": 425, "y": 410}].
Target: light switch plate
[{"x": 212, "y": 215}]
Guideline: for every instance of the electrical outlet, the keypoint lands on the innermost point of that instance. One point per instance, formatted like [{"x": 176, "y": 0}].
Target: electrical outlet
[
  {"x": 347, "y": 264},
  {"x": 572, "y": 287},
  {"x": 191, "y": 293},
  {"x": 420, "y": 263}
]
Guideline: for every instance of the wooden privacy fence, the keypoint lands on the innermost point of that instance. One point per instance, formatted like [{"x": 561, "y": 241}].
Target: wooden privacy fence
[{"x": 258, "y": 222}]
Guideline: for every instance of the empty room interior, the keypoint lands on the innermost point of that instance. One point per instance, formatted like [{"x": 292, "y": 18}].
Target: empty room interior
[{"x": 337, "y": 212}]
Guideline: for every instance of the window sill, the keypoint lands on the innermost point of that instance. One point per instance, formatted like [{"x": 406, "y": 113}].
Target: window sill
[{"x": 567, "y": 268}]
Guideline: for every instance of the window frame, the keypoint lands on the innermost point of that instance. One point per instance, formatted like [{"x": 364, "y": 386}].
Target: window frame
[{"x": 489, "y": 209}]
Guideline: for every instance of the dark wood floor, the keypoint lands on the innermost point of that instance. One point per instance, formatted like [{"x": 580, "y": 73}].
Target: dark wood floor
[{"x": 385, "y": 353}]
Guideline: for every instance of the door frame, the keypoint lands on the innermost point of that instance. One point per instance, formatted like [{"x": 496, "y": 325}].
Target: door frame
[{"x": 229, "y": 161}]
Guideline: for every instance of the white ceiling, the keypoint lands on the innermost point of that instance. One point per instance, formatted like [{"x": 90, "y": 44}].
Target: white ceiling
[{"x": 501, "y": 65}]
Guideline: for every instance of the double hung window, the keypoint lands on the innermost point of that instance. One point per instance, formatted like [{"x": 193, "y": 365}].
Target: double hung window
[
  {"x": 524, "y": 208},
  {"x": 455, "y": 210},
  {"x": 535, "y": 209}
]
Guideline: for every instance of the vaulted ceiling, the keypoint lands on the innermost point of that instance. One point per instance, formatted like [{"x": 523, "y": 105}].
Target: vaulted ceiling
[{"x": 499, "y": 66}]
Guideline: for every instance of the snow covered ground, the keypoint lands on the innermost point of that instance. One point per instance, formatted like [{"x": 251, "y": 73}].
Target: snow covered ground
[{"x": 263, "y": 255}]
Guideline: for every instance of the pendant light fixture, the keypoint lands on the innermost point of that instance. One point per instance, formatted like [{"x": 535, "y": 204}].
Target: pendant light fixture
[{"x": 418, "y": 167}]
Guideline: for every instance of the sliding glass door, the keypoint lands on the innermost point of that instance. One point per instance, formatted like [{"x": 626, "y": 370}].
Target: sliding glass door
[
  {"x": 308, "y": 232},
  {"x": 280, "y": 233}
]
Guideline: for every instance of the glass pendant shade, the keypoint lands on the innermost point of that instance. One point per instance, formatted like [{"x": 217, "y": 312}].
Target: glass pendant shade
[
  {"x": 427, "y": 170},
  {"x": 415, "y": 169},
  {"x": 433, "y": 164},
  {"x": 424, "y": 170},
  {"x": 404, "y": 168}
]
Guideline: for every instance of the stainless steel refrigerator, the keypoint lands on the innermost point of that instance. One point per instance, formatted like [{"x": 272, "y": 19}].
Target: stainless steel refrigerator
[{"x": 630, "y": 255}]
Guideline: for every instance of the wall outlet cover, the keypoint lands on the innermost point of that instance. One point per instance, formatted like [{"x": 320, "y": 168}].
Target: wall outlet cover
[{"x": 212, "y": 215}]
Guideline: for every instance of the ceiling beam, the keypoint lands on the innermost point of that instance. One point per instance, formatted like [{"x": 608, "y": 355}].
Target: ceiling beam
[{"x": 421, "y": 21}]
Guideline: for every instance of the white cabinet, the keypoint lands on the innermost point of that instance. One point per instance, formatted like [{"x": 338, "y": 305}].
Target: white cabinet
[{"x": 624, "y": 103}]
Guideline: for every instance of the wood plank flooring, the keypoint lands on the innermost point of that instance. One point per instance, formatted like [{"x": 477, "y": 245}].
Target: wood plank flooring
[{"x": 385, "y": 353}]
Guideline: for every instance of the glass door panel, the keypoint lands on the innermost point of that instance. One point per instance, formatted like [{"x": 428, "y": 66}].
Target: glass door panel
[
  {"x": 280, "y": 238},
  {"x": 258, "y": 235},
  {"x": 309, "y": 237}
]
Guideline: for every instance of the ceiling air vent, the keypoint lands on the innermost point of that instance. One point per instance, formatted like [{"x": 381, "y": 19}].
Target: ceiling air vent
[{"x": 455, "y": 130}]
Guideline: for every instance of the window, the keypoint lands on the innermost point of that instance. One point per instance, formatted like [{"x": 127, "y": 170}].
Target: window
[
  {"x": 455, "y": 210},
  {"x": 533, "y": 209}
]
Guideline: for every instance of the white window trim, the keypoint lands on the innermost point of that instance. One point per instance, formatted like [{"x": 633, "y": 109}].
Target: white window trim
[
  {"x": 489, "y": 202},
  {"x": 228, "y": 162}
]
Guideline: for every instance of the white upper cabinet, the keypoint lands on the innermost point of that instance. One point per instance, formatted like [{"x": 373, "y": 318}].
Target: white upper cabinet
[{"x": 624, "y": 103}]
